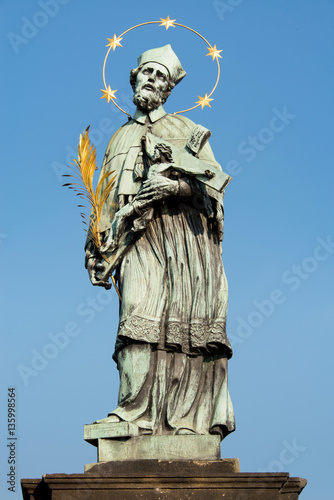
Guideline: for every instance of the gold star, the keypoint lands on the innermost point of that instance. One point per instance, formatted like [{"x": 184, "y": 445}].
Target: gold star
[
  {"x": 114, "y": 42},
  {"x": 108, "y": 94},
  {"x": 204, "y": 101},
  {"x": 167, "y": 22},
  {"x": 214, "y": 52}
]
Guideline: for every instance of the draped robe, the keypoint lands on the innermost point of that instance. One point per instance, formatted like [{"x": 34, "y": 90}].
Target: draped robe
[{"x": 171, "y": 347}]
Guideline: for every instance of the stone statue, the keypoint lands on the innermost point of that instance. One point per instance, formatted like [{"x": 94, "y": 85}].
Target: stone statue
[{"x": 164, "y": 221}]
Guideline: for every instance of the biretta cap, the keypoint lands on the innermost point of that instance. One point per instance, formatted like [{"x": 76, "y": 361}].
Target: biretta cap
[{"x": 167, "y": 57}]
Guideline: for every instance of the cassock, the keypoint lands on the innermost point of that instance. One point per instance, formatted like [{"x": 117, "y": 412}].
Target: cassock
[{"x": 171, "y": 347}]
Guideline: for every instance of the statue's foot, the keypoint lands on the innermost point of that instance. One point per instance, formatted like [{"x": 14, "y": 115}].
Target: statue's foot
[
  {"x": 185, "y": 432},
  {"x": 110, "y": 419}
]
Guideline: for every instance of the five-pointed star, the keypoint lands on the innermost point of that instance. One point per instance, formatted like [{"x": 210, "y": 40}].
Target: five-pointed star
[
  {"x": 108, "y": 94},
  {"x": 214, "y": 52},
  {"x": 114, "y": 42},
  {"x": 204, "y": 101},
  {"x": 167, "y": 22}
]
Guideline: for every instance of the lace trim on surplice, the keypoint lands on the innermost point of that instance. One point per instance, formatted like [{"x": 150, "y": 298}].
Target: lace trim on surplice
[{"x": 191, "y": 338}]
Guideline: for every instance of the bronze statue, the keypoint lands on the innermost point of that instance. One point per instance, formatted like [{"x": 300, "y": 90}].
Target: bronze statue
[{"x": 162, "y": 227}]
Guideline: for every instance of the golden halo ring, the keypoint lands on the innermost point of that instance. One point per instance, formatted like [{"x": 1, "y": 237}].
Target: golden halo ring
[{"x": 167, "y": 23}]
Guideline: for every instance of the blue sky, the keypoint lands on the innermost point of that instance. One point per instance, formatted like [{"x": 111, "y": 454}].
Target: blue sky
[{"x": 272, "y": 128}]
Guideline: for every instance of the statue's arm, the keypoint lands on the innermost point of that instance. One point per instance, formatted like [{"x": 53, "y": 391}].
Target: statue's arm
[
  {"x": 158, "y": 189},
  {"x": 207, "y": 155},
  {"x": 95, "y": 264},
  {"x": 153, "y": 191},
  {"x": 94, "y": 261}
]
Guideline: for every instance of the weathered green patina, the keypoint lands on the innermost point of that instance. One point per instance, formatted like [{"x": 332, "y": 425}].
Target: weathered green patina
[{"x": 162, "y": 230}]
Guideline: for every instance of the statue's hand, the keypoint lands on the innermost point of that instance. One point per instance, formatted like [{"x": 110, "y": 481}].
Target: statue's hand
[
  {"x": 156, "y": 189},
  {"x": 95, "y": 266},
  {"x": 117, "y": 228}
]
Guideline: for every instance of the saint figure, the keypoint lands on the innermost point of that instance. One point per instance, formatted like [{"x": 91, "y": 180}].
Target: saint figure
[{"x": 164, "y": 222}]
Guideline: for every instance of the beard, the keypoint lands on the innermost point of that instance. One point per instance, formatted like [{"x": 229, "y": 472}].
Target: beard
[{"x": 147, "y": 100}]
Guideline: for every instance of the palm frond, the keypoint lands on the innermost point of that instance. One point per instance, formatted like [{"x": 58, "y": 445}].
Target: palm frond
[{"x": 83, "y": 170}]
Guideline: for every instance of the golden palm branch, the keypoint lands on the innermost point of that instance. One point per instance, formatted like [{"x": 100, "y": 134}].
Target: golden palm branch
[{"x": 82, "y": 175}]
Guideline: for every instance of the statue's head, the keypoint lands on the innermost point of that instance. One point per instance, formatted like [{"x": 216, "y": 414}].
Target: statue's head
[{"x": 158, "y": 71}]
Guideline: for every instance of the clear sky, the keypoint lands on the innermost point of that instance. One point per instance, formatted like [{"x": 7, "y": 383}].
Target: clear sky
[{"x": 272, "y": 131}]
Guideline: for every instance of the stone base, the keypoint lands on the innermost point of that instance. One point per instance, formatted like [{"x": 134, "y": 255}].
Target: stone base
[
  {"x": 159, "y": 448},
  {"x": 120, "y": 441},
  {"x": 159, "y": 480},
  {"x": 116, "y": 430}
]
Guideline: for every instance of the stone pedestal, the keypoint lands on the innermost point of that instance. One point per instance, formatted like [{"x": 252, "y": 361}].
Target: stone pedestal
[
  {"x": 120, "y": 441},
  {"x": 184, "y": 467},
  {"x": 159, "y": 448},
  {"x": 161, "y": 479}
]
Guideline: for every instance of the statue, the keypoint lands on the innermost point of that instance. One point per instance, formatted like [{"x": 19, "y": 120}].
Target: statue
[
  {"x": 156, "y": 222},
  {"x": 163, "y": 225}
]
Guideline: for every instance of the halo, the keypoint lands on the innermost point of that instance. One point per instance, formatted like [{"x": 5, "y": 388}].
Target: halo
[{"x": 167, "y": 23}]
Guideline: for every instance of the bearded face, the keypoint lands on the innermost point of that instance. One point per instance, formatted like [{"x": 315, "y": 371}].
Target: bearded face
[{"x": 152, "y": 86}]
